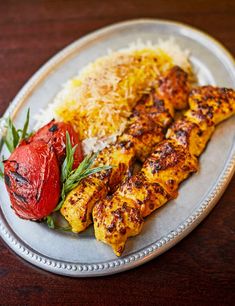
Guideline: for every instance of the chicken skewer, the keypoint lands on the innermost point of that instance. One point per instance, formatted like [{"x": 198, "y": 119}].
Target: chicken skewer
[
  {"x": 173, "y": 161},
  {"x": 150, "y": 117}
]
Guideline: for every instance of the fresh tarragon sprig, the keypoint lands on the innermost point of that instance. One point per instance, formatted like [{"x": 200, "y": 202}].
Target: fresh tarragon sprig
[
  {"x": 70, "y": 179},
  {"x": 1, "y": 170},
  {"x": 14, "y": 136}
]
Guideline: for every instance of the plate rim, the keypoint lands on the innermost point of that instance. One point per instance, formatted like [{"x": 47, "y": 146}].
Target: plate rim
[{"x": 154, "y": 249}]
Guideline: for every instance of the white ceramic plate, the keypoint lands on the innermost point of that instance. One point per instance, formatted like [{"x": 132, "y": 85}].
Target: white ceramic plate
[{"x": 82, "y": 255}]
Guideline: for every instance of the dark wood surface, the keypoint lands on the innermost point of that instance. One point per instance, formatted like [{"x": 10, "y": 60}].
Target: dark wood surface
[{"x": 198, "y": 271}]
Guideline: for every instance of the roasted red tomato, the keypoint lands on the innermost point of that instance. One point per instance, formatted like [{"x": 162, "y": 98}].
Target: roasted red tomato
[
  {"x": 54, "y": 133},
  {"x": 32, "y": 178}
]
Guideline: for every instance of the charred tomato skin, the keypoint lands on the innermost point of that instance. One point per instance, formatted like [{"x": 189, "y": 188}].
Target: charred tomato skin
[
  {"x": 54, "y": 133},
  {"x": 32, "y": 178}
]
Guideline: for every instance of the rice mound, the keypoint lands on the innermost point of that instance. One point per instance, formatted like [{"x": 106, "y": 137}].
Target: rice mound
[{"x": 98, "y": 101}]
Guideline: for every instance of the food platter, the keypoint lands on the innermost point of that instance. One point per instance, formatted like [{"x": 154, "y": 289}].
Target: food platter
[{"x": 81, "y": 255}]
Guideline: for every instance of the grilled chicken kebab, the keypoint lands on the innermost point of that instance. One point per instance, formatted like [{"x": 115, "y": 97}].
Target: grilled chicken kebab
[
  {"x": 147, "y": 124},
  {"x": 172, "y": 161}
]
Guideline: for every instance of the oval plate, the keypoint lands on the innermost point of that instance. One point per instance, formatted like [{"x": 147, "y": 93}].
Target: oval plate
[{"x": 81, "y": 255}]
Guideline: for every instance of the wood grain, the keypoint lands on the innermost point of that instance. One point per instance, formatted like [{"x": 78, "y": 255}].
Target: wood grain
[{"x": 198, "y": 271}]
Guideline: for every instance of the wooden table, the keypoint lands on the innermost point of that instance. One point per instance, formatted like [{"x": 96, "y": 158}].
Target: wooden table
[{"x": 200, "y": 269}]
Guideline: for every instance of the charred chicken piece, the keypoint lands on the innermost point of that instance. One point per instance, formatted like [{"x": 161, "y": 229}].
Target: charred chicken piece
[
  {"x": 174, "y": 86},
  {"x": 212, "y": 104},
  {"x": 208, "y": 107}
]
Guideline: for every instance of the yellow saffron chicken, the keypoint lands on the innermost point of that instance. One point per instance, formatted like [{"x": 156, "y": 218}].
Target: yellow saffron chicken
[
  {"x": 172, "y": 161},
  {"x": 145, "y": 129}
]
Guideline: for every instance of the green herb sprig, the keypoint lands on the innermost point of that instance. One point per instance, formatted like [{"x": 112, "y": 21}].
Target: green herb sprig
[
  {"x": 15, "y": 136},
  {"x": 70, "y": 179},
  {"x": 1, "y": 171},
  {"x": 52, "y": 224}
]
